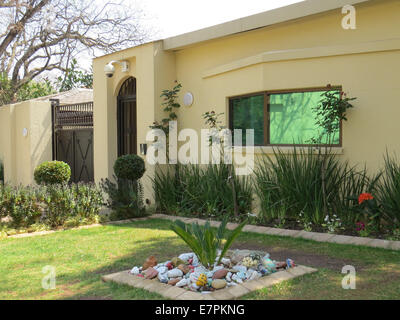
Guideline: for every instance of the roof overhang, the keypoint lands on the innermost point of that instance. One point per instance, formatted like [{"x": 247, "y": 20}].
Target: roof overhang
[{"x": 260, "y": 20}]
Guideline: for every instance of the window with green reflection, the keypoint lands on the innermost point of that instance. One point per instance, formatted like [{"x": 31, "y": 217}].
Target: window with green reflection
[
  {"x": 286, "y": 118},
  {"x": 248, "y": 113}
]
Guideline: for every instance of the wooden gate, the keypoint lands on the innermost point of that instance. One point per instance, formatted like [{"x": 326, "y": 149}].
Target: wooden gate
[{"x": 73, "y": 139}]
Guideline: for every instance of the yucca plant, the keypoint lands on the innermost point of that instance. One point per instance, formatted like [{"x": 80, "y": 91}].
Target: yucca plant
[
  {"x": 388, "y": 191},
  {"x": 205, "y": 241}
]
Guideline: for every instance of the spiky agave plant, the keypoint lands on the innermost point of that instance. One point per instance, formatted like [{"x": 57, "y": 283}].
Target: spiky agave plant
[{"x": 205, "y": 241}]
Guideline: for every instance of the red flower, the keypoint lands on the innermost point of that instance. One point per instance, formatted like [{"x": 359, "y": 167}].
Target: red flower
[{"x": 364, "y": 197}]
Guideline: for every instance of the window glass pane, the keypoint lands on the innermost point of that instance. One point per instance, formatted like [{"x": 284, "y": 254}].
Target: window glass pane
[
  {"x": 248, "y": 113},
  {"x": 293, "y": 120}
]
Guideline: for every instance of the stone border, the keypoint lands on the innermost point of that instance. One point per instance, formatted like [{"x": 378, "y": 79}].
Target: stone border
[
  {"x": 316, "y": 236},
  {"x": 230, "y": 293}
]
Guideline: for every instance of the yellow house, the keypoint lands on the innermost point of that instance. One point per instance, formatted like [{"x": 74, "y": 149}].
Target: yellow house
[{"x": 250, "y": 68}]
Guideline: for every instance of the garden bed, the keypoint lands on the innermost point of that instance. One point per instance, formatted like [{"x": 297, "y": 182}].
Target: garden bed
[{"x": 184, "y": 278}]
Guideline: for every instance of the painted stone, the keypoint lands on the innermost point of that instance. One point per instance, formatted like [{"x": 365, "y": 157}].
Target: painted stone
[
  {"x": 150, "y": 262},
  {"x": 220, "y": 274},
  {"x": 290, "y": 263},
  {"x": 151, "y": 273},
  {"x": 184, "y": 268},
  {"x": 175, "y": 273},
  {"x": 219, "y": 284},
  {"x": 169, "y": 265},
  {"x": 202, "y": 280}
]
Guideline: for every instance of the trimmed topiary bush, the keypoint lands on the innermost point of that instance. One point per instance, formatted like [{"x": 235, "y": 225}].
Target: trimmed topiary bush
[
  {"x": 52, "y": 172},
  {"x": 129, "y": 167}
]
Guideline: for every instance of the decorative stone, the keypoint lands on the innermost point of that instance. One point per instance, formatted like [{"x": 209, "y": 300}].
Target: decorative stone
[
  {"x": 162, "y": 277},
  {"x": 150, "y": 262},
  {"x": 216, "y": 268},
  {"x": 175, "y": 273},
  {"x": 226, "y": 262},
  {"x": 255, "y": 275},
  {"x": 242, "y": 275},
  {"x": 151, "y": 273},
  {"x": 200, "y": 270},
  {"x": 240, "y": 268},
  {"x": 173, "y": 282},
  {"x": 194, "y": 276},
  {"x": 229, "y": 277},
  {"x": 194, "y": 287},
  {"x": 269, "y": 265},
  {"x": 162, "y": 269},
  {"x": 169, "y": 265},
  {"x": 220, "y": 274},
  {"x": 186, "y": 257},
  {"x": 135, "y": 271},
  {"x": 183, "y": 283},
  {"x": 236, "y": 278},
  {"x": 290, "y": 263},
  {"x": 176, "y": 262},
  {"x": 184, "y": 268},
  {"x": 202, "y": 280},
  {"x": 219, "y": 284},
  {"x": 281, "y": 265}
]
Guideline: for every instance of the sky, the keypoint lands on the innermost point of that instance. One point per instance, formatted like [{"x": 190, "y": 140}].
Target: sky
[{"x": 173, "y": 17}]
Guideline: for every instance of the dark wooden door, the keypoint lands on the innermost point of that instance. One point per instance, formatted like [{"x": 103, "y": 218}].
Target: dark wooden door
[
  {"x": 127, "y": 131},
  {"x": 127, "y": 117}
]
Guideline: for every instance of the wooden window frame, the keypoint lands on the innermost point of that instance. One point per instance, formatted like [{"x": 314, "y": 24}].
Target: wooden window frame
[{"x": 267, "y": 114}]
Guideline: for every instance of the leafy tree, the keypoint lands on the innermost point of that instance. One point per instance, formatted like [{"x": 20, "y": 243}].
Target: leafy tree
[
  {"x": 75, "y": 78},
  {"x": 30, "y": 90}
]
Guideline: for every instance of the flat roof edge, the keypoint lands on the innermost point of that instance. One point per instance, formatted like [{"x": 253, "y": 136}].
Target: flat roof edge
[{"x": 259, "y": 20}]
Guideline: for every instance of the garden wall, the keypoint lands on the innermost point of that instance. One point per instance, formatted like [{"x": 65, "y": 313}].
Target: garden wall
[{"x": 22, "y": 150}]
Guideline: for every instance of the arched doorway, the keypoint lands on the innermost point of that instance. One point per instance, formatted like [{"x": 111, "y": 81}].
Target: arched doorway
[{"x": 126, "y": 117}]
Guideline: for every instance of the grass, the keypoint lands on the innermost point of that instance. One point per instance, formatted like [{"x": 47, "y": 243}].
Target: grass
[{"x": 81, "y": 257}]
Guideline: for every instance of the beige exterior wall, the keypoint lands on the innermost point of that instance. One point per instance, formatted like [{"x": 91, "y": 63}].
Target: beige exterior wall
[
  {"x": 21, "y": 154},
  {"x": 309, "y": 52},
  {"x": 154, "y": 70}
]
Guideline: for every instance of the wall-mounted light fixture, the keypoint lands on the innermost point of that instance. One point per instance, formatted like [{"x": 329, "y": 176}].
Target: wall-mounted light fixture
[
  {"x": 109, "y": 69},
  {"x": 143, "y": 149},
  {"x": 188, "y": 99}
]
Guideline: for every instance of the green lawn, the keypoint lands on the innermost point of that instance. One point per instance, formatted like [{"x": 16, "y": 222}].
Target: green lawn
[{"x": 81, "y": 257}]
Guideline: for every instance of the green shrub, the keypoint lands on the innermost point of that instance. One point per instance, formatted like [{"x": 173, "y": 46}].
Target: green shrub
[
  {"x": 125, "y": 198},
  {"x": 52, "y": 205},
  {"x": 52, "y": 172},
  {"x": 206, "y": 191},
  {"x": 22, "y": 204},
  {"x": 309, "y": 186},
  {"x": 129, "y": 167}
]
